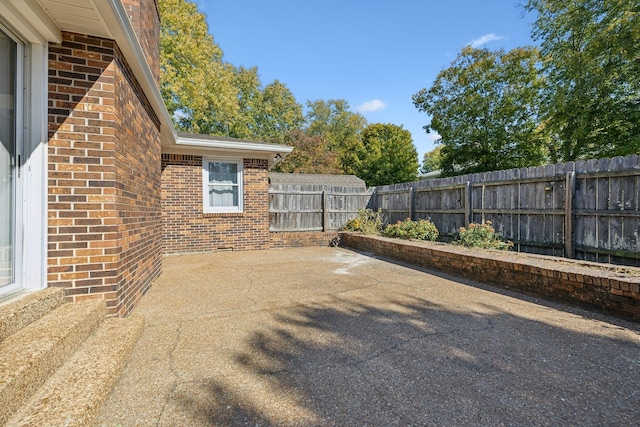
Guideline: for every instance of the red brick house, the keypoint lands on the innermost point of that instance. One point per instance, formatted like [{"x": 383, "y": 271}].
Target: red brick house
[{"x": 95, "y": 183}]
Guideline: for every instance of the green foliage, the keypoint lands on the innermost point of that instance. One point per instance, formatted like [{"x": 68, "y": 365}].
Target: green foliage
[
  {"x": 280, "y": 113},
  {"x": 367, "y": 221},
  {"x": 205, "y": 95},
  {"x": 420, "y": 230},
  {"x": 340, "y": 128},
  {"x": 485, "y": 107},
  {"x": 591, "y": 62},
  {"x": 481, "y": 236},
  {"x": 387, "y": 155},
  {"x": 311, "y": 154},
  {"x": 194, "y": 81},
  {"x": 432, "y": 160}
]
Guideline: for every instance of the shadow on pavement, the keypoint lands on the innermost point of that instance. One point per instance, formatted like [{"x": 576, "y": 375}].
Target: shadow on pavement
[{"x": 409, "y": 361}]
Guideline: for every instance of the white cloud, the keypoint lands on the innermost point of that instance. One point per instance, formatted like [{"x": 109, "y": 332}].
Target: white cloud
[
  {"x": 371, "y": 106},
  {"x": 433, "y": 137},
  {"x": 485, "y": 39}
]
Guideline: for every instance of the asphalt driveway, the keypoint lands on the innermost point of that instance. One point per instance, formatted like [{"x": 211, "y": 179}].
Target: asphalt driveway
[{"x": 328, "y": 336}]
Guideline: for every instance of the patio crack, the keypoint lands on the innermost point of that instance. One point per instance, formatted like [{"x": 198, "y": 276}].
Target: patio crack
[{"x": 174, "y": 371}]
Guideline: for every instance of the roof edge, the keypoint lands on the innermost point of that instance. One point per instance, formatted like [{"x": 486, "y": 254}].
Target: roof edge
[
  {"x": 117, "y": 20},
  {"x": 206, "y": 145}
]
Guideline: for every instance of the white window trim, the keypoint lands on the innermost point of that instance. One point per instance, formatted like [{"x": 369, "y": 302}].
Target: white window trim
[{"x": 205, "y": 186}]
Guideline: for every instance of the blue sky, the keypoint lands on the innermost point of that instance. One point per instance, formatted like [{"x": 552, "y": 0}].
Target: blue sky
[{"x": 374, "y": 53}]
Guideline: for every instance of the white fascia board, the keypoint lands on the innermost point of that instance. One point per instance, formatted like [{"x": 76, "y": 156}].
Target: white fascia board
[
  {"x": 238, "y": 146},
  {"x": 273, "y": 153},
  {"x": 31, "y": 21},
  {"x": 117, "y": 21}
]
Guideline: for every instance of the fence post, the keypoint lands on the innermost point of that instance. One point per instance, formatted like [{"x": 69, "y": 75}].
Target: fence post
[
  {"x": 411, "y": 203},
  {"x": 570, "y": 187},
  {"x": 467, "y": 204},
  {"x": 325, "y": 210}
]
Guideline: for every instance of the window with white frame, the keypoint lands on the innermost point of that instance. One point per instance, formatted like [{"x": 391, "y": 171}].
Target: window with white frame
[{"x": 222, "y": 185}]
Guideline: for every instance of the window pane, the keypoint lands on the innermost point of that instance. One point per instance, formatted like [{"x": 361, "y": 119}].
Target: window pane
[
  {"x": 8, "y": 50},
  {"x": 223, "y": 173},
  {"x": 223, "y": 195}
]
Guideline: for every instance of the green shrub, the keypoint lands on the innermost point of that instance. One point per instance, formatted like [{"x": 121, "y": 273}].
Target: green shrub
[
  {"x": 367, "y": 222},
  {"x": 481, "y": 236},
  {"x": 421, "y": 230}
]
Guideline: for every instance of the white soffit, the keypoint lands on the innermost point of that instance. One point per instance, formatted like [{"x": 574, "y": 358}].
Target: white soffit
[
  {"x": 206, "y": 145},
  {"x": 45, "y": 19},
  {"x": 78, "y": 16}
]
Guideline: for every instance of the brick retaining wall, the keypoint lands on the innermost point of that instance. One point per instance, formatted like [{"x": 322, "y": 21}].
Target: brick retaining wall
[
  {"x": 296, "y": 239},
  {"x": 613, "y": 289}
]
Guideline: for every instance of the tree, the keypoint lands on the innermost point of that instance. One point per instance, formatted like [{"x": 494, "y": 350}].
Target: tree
[
  {"x": 387, "y": 156},
  {"x": 340, "y": 128},
  {"x": 249, "y": 101},
  {"x": 592, "y": 63},
  {"x": 431, "y": 160},
  {"x": 195, "y": 83},
  {"x": 280, "y": 113},
  {"x": 311, "y": 154},
  {"x": 486, "y": 108},
  {"x": 206, "y": 95}
]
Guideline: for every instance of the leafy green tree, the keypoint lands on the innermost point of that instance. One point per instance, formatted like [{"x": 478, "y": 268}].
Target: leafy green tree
[
  {"x": 387, "y": 156},
  {"x": 311, "y": 154},
  {"x": 486, "y": 108},
  {"x": 280, "y": 113},
  {"x": 340, "y": 128},
  {"x": 194, "y": 81},
  {"x": 591, "y": 58},
  {"x": 249, "y": 101},
  {"x": 431, "y": 160},
  {"x": 206, "y": 95}
]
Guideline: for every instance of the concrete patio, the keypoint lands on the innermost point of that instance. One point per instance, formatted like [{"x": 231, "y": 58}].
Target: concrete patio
[{"x": 328, "y": 336}]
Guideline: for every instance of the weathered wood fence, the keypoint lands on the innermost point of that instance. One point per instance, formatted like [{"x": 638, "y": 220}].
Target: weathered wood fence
[
  {"x": 314, "y": 207},
  {"x": 585, "y": 209}
]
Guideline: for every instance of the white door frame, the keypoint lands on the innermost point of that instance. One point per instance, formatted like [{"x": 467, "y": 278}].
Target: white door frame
[{"x": 30, "y": 211}]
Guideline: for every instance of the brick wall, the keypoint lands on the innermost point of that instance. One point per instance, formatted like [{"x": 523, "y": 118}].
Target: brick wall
[
  {"x": 297, "y": 239},
  {"x": 187, "y": 229},
  {"x": 104, "y": 147},
  {"x": 613, "y": 289},
  {"x": 145, "y": 20},
  {"x": 137, "y": 166}
]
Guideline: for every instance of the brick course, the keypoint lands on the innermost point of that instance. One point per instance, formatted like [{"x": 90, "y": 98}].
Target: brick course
[
  {"x": 104, "y": 200},
  {"x": 296, "y": 239},
  {"x": 145, "y": 20},
  {"x": 185, "y": 226},
  {"x": 613, "y": 289}
]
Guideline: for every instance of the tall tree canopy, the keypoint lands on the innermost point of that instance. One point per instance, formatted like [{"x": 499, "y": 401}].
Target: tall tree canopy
[
  {"x": 311, "y": 154},
  {"x": 340, "y": 127},
  {"x": 387, "y": 155},
  {"x": 194, "y": 81},
  {"x": 206, "y": 95},
  {"x": 485, "y": 107},
  {"x": 431, "y": 160},
  {"x": 591, "y": 52}
]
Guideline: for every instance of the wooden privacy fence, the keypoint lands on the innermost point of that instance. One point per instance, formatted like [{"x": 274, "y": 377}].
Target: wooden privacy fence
[
  {"x": 586, "y": 209},
  {"x": 314, "y": 207}
]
